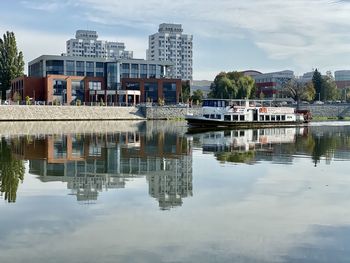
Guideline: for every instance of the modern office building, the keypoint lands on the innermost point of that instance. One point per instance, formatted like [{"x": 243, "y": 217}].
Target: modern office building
[
  {"x": 342, "y": 78},
  {"x": 86, "y": 44},
  {"x": 170, "y": 44},
  {"x": 67, "y": 78},
  {"x": 271, "y": 84}
]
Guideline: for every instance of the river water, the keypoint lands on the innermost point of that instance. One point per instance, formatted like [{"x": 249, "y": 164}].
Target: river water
[{"x": 159, "y": 192}]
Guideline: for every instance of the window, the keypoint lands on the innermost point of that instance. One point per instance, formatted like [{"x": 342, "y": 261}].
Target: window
[
  {"x": 273, "y": 117},
  {"x": 267, "y": 117},
  {"x": 227, "y": 117},
  {"x": 261, "y": 117},
  {"x": 235, "y": 117},
  {"x": 241, "y": 117},
  {"x": 94, "y": 85},
  {"x": 283, "y": 117},
  {"x": 278, "y": 117}
]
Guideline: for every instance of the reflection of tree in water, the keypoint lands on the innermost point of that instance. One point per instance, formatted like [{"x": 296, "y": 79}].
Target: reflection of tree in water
[
  {"x": 236, "y": 157},
  {"x": 324, "y": 146},
  {"x": 11, "y": 172}
]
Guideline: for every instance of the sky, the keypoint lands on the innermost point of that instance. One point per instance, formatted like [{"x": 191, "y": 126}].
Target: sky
[{"x": 263, "y": 35}]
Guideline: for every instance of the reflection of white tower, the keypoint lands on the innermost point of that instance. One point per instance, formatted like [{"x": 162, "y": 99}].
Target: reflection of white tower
[{"x": 172, "y": 182}]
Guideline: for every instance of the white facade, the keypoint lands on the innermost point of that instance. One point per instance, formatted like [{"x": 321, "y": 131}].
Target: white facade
[
  {"x": 86, "y": 44},
  {"x": 170, "y": 44}
]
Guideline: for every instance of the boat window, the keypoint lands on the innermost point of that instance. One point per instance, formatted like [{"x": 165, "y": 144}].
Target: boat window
[
  {"x": 273, "y": 117},
  {"x": 218, "y": 116},
  {"x": 278, "y": 117},
  {"x": 261, "y": 117},
  {"x": 227, "y": 117},
  {"x": 206, "y": 116},
  {"x": 241, "y": 133},
  {"x": 241, "y": 117},
  {"x": 235, "y": 117},
  {"x": 267, "y": 117},
  {"x": 283, "y": 117},
  {"x": 212, "y": 116}
]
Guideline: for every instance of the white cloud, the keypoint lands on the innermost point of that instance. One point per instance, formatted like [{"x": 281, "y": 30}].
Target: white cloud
[{"x": 301, "y": 33}]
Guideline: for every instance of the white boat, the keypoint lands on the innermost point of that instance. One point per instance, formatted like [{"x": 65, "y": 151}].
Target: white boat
[{"x": 245, "y": 113}]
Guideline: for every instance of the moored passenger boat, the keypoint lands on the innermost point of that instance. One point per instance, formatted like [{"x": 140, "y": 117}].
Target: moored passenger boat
[{"x": 244, "y": 113}]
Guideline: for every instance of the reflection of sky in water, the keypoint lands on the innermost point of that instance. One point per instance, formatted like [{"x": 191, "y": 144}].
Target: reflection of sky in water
[{"x": 238, "y": 213}]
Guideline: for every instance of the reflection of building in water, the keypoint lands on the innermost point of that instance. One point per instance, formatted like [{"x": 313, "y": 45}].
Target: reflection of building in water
[
  {"x": 170, "y": 187},
  {"x": 250, "y": 145},
  {"x": 93, "y": 163}
]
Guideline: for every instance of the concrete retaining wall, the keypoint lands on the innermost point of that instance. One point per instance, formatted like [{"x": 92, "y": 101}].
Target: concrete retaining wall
[{"x": 46, "y": 113}]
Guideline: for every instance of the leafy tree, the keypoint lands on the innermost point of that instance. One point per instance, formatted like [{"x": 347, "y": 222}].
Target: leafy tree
[
  {"x": 197, "y": 95},
  {"x": 232, "y": 85},
  {"x": 299, "y": 90},
  {"x": 11, "y": 62},
  {"x": 331, "y": 91},
  {"x": 11, "y": 172},
  {"x": 245, "y": 87},
  {"x": 185, "y": 91},
  {"x": 318, "y": 83}
]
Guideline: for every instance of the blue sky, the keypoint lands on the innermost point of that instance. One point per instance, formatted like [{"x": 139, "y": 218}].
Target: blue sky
[{"x": 265, "y": 35}]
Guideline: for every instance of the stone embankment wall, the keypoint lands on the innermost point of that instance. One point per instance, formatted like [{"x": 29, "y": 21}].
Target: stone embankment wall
[
  {"x": 169, "y": 112},
  {"x": 326, "y": 110},
  {"x": 65, "y": 113},
  {"x": 87, "y": 113}
]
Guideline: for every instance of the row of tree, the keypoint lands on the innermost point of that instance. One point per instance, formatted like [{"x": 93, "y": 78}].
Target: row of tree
[
  {"x": 11, "y": 62},
  {"x": 234, "y": 85}
]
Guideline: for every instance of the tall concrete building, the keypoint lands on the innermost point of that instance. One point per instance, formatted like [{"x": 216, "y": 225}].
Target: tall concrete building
[
  {"x": 170, "y": 44},
  {"x": 86, "y": 44}
]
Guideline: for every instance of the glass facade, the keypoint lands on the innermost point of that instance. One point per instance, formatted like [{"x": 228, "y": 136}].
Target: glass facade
[
  {"x": 89, "y": 69},
  {"x": 80, "y": 67},
  {"x": 78, "y": 90},
  {"x": 151, "y": 92},
  {"x": 112, "y": 76},
  {"x": 70, "y": 70},
  {"x": 125, "y": 72},
  {"x": 59, "y": 87},
  {"x": 54, "y": 67},
  {"x": 134, "y": 71},
  {"x": 36, "y": 69},
  {"x": 169, "y": 92},
  {"x": 99, "y": 69},
  {"x": 152, "y": 71},
  {"x": 143, "y": 71}
]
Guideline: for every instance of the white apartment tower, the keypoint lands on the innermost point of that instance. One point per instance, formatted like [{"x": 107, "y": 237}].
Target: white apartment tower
[
  {"x": 86, "y": 44},
  {"x": 170, "y": 44}
]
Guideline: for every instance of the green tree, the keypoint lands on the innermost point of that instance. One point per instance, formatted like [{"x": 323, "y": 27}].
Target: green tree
[
  {"x": 11, "y": 173},
  {"x": 331, "y": 91},
  {"x": 11, "y": 62},
  {"x": 197, "y": 95},
  {"x": 299, "y": 90},
  {"x": 232, "y": 85},
  {"x": 185, "y": 91},
  {"x": 318, "y": 84},
  {"x": 245, "y": 85}
]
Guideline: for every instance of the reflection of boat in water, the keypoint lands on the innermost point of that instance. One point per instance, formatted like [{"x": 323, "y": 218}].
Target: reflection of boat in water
[
  {"x": 247, "y": 139},
  {"x": 245, "y": 113}
]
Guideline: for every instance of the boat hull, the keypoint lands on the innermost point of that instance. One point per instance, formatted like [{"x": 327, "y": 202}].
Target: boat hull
[{"x": 197, "y": 121}]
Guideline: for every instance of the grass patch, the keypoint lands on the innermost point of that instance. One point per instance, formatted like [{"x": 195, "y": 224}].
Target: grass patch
[{"x": 328, "y": 118}]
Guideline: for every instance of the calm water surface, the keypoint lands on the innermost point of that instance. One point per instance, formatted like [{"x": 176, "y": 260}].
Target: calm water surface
[{"x": 158, "y": 192}]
